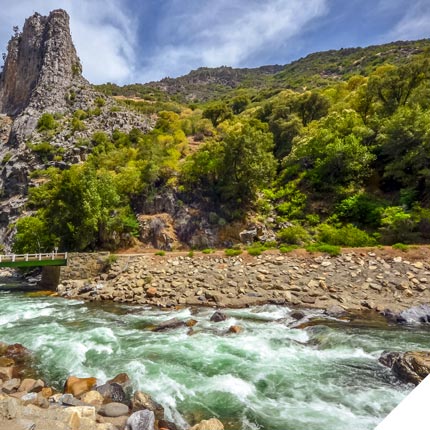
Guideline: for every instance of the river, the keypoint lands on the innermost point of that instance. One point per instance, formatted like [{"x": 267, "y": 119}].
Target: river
[{"x": 270, "y": 376}]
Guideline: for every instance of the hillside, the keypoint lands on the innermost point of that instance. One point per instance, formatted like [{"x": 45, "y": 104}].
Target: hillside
[
  {"x": 333, "y": 150},
  {"x": 313, "y": 71}
]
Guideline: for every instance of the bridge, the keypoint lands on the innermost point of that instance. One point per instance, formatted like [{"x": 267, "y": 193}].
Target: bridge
[{"x": 33, "y": 260}]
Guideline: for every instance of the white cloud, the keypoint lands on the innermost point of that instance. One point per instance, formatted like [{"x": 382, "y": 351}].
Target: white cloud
[
  {"x": 413, "y": 18},
  {"x": 415, "y": 23},
  {"x": 226, "y": 32},
  {"x": 103, "y": 33}
]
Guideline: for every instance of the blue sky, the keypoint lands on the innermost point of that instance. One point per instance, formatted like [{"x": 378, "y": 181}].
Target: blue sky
[{"x": 127, "y": 41}]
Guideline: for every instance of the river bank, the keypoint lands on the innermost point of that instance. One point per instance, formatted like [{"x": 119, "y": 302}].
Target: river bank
[
  {"x": 356, "y": 280},
  {"x": 82, "y": 404}
]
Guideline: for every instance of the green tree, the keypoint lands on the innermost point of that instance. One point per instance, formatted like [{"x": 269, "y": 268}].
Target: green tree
[
  {"x": 33, "y": 236},
  {"x": 232, "y": 169},
  {"x": 217, "y": 112}
]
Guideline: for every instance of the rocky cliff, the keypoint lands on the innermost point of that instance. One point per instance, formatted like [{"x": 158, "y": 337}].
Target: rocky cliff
[{"x": 40, "y": 71}]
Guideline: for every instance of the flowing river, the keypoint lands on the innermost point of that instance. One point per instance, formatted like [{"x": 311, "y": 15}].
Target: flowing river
[{"x": 270, "y": 376}]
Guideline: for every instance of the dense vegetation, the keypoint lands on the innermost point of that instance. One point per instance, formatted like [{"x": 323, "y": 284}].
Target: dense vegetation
[{"x": 346, "y": 163}]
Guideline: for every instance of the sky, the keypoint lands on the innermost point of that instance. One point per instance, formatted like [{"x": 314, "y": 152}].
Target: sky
[{"x": 128, "y": 41}]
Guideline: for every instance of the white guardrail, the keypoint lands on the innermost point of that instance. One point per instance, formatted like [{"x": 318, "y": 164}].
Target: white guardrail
[{"x": 33, "y": 257}]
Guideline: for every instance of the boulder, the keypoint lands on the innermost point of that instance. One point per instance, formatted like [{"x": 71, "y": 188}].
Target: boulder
[
  {"x": 17, "y": 352},
  {"x": 92, "y": 398},
  {"x": 114, "y": 409},
  {"x": 9, "y": 407},
  {"x": 235, "y": 329},
  {"x": 11, "y": 385},
  {"x": 112, "y": 392},
  {"x": 121, "y": 379},
  {"x": 28, "y": 385},
  {"x": 69, "y": 400},
  {"x": 141, "y": 420},
  {"x": 218, "y": 316},
  {"x": 47, "y": 392},
  {"x": 247, "y": 236},
  {"x": 6, "y": 362},
  {"x": 169, "y": 325},
  {"x": 6, "y": 373},
  {"x": 411, "y": 366},
  {"x": 191, "y": 322},
  {"x": 78, "y": 386},
  {"x": 212, "y": 424},
  {"x": 145, "y": 401}
]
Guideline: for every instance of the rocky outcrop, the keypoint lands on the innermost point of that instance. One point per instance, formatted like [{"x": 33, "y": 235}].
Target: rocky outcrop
[
  {"x": 158, "y": 231},
  {"x": 411, "y": 366},
  {"x": 41, "y": 66}
]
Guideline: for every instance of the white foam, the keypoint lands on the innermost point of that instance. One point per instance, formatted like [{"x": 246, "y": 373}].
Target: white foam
[{"x": 229, "y": 384}]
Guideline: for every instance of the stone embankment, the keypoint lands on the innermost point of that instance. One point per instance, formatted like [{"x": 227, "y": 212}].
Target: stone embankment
[
  {"x": 367, "y": 279},
  {"x": 83, "y": 403}
]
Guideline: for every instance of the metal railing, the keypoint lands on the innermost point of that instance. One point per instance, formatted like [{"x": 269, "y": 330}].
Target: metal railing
[{"x": 33, "y": 257}]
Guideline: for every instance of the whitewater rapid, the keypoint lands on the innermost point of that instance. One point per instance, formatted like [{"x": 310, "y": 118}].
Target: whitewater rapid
[{"x": 269, "y": 376}]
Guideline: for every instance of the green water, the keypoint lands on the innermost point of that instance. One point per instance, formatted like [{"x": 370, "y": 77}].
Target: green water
[{"x": 269, "y": 376}]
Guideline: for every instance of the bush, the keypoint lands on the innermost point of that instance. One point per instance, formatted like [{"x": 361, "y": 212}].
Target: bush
[
  {"x": 160, "y": 253},
  {"x": 46, "y": 122},
  {"x": 80, "y": 114},
  {"x": 100, "y": 102},
  {"x": 286, "y": 249},
  {"x": 255, "y": 251},
  {"x": 77, "y": 125},
  {"x": 232, "y": 252},
  {"x": 207, "y": 251},
  {"x": 348, "y": 235},
  {"x": 6, "y": 158},
  {"x": 362, "y": 209},
  {"x": 398, "y": 226},
  {"x": 294, "y": 235},
  {"x": 191, "y": 254},
  {"x": 401, "y": 247},
  {"x": 327, "y": 249}
]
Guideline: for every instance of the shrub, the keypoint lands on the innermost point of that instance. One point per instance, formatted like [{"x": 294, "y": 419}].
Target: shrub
[
  {"x": 207, "y": 251},
  {"x": 286, "y": 249},
  {"x": 100, "y": 102},
  {"x": 348, "y": 235},
  {"x": 77, "y": 125},
  {"x": 255, "y": 251},
  {"x": 191, "y": 254},
  {"x": 43, "y": 148},
  {"x": 6, "y": 158},
  {"x": 80, "y": 114},
  {"x": 232, "y": 252},
  {"x": 160, "y": 253},
  {"x": 401, "y": 247},
  {"x": 398, "y": 226},
  {"x": 362, "y": 209},
  {"x": 327, "y": 249},
  {"x": 46, "y": 122},
  {"x": 294, "y": 235}
]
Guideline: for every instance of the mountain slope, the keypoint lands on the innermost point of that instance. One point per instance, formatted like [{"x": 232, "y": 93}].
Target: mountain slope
[{"x": 315, "y": 70}]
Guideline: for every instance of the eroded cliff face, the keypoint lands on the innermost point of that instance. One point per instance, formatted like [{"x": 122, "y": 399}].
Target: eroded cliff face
[
  {"x": 41, "y": 65},
  {"x": 41, "y": 70}
]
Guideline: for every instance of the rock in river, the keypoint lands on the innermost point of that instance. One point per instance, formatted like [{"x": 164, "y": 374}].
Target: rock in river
[
  {"x": 218, "y": 316},
  {"x": 411, "y": 366}
]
